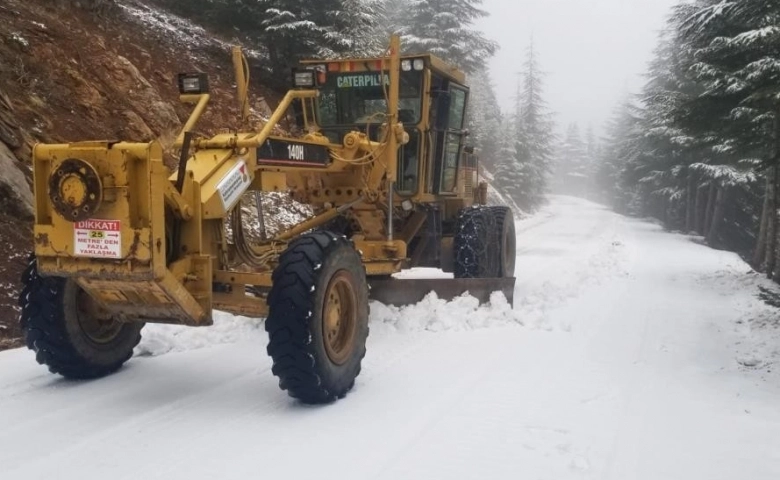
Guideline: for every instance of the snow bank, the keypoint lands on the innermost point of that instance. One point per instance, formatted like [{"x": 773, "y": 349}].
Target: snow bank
[
  {"x": 161, "y": 339},
  {"x": 756, "y": 325},
  {"x": 436, "y": 315},
  {"x": 432, "y": 314}
]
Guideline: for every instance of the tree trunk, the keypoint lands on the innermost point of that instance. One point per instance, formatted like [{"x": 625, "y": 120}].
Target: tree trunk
[
  {"x": 701, "y": 208},
  {"x": 663, "y": 208},
  {"x": 771, "y": 228},
  {"x": 717, "y": 217},
  {"x": 690, "y": 205},
  {"x": 760, "y": 253},
  {"x": 710, "y": 208}
]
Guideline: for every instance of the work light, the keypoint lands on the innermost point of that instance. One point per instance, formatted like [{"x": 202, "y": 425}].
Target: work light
[
  {"x": 193, "y": 83},
  {"x": 303, "y": 78}
]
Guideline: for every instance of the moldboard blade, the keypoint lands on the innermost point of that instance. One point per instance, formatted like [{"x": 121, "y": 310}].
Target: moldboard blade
[{"x": 399, "y": 292}]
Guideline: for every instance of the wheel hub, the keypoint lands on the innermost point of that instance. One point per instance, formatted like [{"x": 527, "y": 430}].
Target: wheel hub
[
  {"x": 339, "y": 320},
  {"x": 94, "y": 321},
  {"x": 75, "y": 190}
]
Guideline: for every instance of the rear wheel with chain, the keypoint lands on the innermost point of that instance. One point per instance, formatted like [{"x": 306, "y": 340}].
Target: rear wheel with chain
[
  {"x": 506, "y": 241},
  {"x": 475, "y": 244},
  {"x": 67, "y": 329}
]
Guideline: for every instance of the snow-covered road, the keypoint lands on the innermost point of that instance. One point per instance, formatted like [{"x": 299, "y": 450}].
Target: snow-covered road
[{"x": 624, "y": 358}]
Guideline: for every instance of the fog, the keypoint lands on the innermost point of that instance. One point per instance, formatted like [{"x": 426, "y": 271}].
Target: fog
[{"x": 593, "y": 51}]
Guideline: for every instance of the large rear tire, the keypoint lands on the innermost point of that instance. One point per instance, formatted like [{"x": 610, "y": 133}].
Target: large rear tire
[
  {"x": 506, "y": 241},
  {"x": 473, "y": 242},
  {"x": 318, "y": 318},
  {"x": 68, "y": 332}
]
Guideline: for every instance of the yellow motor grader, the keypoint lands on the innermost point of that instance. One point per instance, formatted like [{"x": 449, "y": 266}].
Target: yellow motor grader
[{"x": 121, "y": 241}]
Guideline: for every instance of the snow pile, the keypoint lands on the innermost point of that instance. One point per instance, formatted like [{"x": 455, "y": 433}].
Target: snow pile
[
  {"x": 560, "y": 257},
  {"x": 436, "y": 315},
  {"x": 432, "y": 314},
  {"x": 161, "y": 339}
]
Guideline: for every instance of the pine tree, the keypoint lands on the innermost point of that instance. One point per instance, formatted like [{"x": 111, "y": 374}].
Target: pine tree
[
  {"x": 533, "y": 134},
  {"x": 738, "y": 66},
  {"x": 572, "y": 164},
  {"x": 709, "y": 108},
  {"x": 484, "y": 120},
  {"x": 508, "y": 174},
  {"x": 445, "y": 28},
  {"x": 620, "y": 150},
  {"x": 289, "y": 30}
]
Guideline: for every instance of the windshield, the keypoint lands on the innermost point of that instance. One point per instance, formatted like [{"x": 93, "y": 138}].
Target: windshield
[{"x": 360, "y": 97}]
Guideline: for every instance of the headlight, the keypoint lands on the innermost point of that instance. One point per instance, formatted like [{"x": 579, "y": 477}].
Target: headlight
[
  {"x": 419, "y": 64},
  {"x": 406, "y": 65},
  {"x": 193, "y": 83}
]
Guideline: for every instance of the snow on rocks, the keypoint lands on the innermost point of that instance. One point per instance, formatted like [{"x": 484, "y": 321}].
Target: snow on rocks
[{"x": 180, "y": 30}]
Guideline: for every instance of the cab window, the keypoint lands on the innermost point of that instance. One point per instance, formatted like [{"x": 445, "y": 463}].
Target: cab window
[{"x": 453, "y": 141}]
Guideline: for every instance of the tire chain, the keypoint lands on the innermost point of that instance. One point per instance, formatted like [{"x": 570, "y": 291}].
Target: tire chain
[{"x": 476, "y": 227}]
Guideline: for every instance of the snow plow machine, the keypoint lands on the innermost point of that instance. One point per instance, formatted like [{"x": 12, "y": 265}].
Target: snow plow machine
[{"x": 120, "y": 240}]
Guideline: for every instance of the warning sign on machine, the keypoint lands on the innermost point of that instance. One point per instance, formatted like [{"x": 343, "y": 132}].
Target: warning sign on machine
[
  {"x": 98, "y": 239},
  {"x": 233, "y": 185}
]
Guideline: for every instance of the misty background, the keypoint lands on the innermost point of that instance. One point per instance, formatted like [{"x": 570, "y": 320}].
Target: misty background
[{"x": 593, "y": 52}]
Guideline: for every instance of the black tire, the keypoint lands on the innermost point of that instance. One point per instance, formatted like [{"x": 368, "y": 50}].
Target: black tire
[
  {"x": 506, "y": 240},
  {"x": 53, "y": 319},
  {"x": 472, "y": 244},
  {"x": 311, "y": 364}
]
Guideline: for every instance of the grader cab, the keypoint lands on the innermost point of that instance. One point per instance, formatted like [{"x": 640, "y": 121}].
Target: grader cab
[{"x": 383, "y": 163}]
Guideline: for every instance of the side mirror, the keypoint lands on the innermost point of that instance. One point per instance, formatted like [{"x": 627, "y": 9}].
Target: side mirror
[{"x": 441, "y": 109}]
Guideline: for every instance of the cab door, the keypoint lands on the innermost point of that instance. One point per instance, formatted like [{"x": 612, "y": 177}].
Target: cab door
[{"x": 451, "y": 141}]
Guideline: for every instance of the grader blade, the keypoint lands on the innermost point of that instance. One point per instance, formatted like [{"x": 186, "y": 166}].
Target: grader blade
[{"x": 400, "y": 292}]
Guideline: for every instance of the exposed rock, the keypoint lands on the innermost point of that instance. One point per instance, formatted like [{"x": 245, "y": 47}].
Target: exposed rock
[
  {"x": 126, "y": 79},
  {"x": 9, "y": 130},
  {"x": 136, "y": 126},
  {"x": 15, "y": 193}
]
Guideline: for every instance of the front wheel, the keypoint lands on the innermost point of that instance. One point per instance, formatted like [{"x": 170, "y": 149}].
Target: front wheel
[
  {"x": 318, "y": 317},
  {"x": 68, "y": 331}
]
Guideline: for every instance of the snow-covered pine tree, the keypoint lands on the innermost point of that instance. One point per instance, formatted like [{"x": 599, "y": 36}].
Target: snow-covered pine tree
[
  {"x": 591, "y": 143},
  {"x": 534, "y": 134},
  {"x": 508, "y": 175},
  {"x": 484, "y": 120},
  {"x": 572, "y": 164},
  {"x": 738, "y": 65},
  {"x": 619, "y": 151},
  {"x": 359, "y": 28},
  {"x": 445, "y": 28},
  {"x": 288, "y": 30},
  {"x": 709, "y": 109},
  {"x": 291, "y": 29},
  {"x": 397, "y": 14}
]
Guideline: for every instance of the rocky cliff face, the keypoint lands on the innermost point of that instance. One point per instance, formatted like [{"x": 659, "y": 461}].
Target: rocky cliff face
[{"x": 74, "y": 70}]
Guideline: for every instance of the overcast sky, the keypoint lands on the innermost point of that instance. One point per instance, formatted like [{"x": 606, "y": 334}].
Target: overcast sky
[{"x": 592, "y": 50}]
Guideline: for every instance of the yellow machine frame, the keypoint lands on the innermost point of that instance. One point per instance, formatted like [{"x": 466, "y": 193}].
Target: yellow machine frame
[{"x": 144, "y": 278}]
